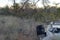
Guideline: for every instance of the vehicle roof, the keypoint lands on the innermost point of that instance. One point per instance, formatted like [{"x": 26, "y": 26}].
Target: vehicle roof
[{"x": 55, "y": 24}]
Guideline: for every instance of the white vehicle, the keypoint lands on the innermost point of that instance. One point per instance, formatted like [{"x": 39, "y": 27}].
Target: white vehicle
[{"x": 53, "y": 31}]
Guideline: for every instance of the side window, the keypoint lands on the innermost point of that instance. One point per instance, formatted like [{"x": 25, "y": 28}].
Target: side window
[
  {"x": 58, "y": 30},
  {"x": 53, "y": 30}
]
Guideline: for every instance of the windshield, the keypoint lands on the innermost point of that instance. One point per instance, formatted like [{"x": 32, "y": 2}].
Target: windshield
[{"x": 55, "y": 30}]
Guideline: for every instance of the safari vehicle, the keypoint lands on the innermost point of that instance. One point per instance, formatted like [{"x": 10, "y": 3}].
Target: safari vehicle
[{"x": 53, "y": 31}]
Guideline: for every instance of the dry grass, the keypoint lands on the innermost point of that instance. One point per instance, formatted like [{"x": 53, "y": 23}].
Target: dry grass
[{"x": 14, "y": 28}]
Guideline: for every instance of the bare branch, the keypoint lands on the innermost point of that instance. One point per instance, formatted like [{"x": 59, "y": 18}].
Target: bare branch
[{"x": 24, "y": 3}]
